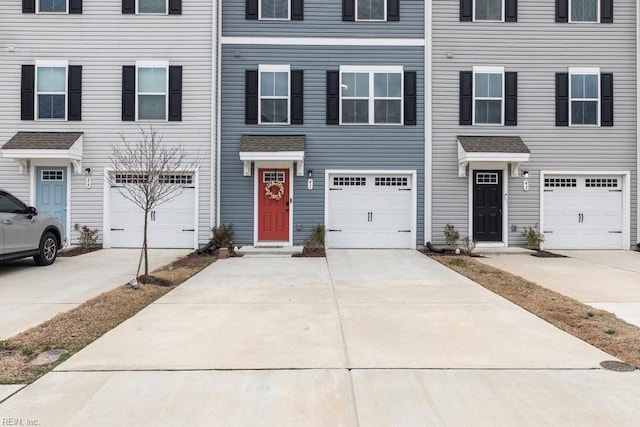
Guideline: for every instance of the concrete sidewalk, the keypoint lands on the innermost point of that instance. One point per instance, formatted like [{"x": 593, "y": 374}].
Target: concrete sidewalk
[
  {"x": 608, "y": 280},
  {"x": 361, "y": 338},
  {"x": 30, "y": 295}
]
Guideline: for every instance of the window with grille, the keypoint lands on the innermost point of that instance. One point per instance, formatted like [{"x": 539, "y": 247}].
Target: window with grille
[
  {"x": 391, "y": 181},
  {"x": 137, "y": 178},
  {"x": 559, "y": 182},
  {"x": 272, "y": 176},
  {"x": 601, "y": 182},
  {"x": 55, "y": 175},
  {"x": 486, "y": 178},
  {"x": 349, "y": 180}
]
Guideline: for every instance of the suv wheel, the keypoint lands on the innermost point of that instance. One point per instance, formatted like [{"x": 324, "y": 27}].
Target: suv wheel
[{"x": 47, "y": 250}]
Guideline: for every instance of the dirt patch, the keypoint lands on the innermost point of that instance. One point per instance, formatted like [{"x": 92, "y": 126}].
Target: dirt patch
[
  {"x": 80, "y": 326},
  {"x": 77, "y": 250},
  {"x": 312, "y": 252},
  {"x": 596, "y": 327}
]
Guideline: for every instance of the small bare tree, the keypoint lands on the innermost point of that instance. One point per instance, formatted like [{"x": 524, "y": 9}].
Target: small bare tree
[{"x": 148, "y": 173}]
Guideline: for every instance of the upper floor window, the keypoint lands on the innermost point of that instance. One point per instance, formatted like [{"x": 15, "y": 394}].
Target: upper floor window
[
  {"x": 584, "y": 96},
  {"x": 154, "y": 7},
  {"x": 371, "y": 10},
  {"x": 152, "y": 87},
  {"x": 488, "y": 96},
  {"x": 274, "y": 94},
  {"x": 487, "y": 10},
  {"x": 51, "y": 90},
  {"x": 584, "y": 10},
  {"x": 274, "y": 9},
  {"x": 52, "y": 6},
  {"x": 371, "y": 95}
]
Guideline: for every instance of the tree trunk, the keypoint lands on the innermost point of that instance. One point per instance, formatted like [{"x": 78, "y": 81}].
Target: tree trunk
[{"x": 144, "y": 245}]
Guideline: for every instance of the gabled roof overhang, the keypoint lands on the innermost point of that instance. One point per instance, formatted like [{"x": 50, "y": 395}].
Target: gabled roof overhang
[
  {"x": 289, "y": 148},
  {"x": 495, "y": 149},
  {"x": 26, "y": 146}
]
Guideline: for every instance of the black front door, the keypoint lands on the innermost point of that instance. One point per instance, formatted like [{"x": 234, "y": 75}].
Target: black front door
[{"x": 487, "y": 206}]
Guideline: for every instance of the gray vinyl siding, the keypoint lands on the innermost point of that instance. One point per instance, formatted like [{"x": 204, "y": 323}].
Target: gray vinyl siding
[
  {"x": 537, "y": 48},
  {"x": 323, "y": 18},
  {"x": 102, "y": 40},
  {"x": 327, "y": 146}
]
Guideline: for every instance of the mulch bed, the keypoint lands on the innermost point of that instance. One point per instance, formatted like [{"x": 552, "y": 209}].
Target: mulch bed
[
  {"x": 77, "y": 250},
  {"x": 547, "y": 254}
]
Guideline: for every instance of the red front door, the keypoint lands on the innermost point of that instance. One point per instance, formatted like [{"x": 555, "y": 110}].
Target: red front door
[{"x": 273, "y": 204}]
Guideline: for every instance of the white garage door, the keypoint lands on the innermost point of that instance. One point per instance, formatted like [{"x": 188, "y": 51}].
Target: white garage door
[
  {"x": 171, "y": 225},
  {"x": 370, "y": 211},
  {"x": 583, "y": 212}
]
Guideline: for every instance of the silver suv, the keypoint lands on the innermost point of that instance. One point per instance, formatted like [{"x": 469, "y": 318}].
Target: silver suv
[{"x": 25, "y": 232}]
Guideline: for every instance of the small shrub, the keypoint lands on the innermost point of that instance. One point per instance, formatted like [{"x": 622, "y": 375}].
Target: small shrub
[
  {"x": 221, "y": 235},
  {"x": 88, "y": 237},
  {"x": 4, "y": 344},
  {"x": 451, "y": 235},
  {"x": 534, "y": 238},
  {"x": 610, "y": 332},
  {"x": 468, "y": 245},
  {"x": 317, "y": 235},
  {"x": 27, "y": 351}
]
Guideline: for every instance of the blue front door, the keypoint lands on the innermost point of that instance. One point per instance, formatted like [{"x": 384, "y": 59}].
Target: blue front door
[{"x": 51, "y": 193}]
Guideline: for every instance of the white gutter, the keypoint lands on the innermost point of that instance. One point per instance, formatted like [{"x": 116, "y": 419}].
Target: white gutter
[
  {"x": 428, "y": 123},
  {"x": 637, "y": 123}
]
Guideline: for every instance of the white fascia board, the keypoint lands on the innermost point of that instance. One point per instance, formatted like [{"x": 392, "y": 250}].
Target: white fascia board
[
  {"x": 322, "y": 41},
  {"x": 255, "y": 156},
  {"x": 371, "y": 68},
  {"x": 463, "y": 156}
]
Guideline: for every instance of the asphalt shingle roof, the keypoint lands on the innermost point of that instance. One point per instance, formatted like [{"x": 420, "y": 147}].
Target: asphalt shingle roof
[
  {"x": 42, "y": 140},
  {"x": 272, "y": 143},
  {"x": 493, "y": 144}
]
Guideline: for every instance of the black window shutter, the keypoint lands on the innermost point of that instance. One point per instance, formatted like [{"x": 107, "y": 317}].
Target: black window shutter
[
  {"x": 74, "y": 101},
  {"x": 393, "y": 10},
  {"x": 27, "y": 89},
  {"x": 251, "y": 97},
  {"x": 175, "y": 7},
  {"x": 410, "y": 98},
  {"x": 466, "y": 97},
  {"x": 75, "y": 6},
  {"x": 297, "y": 97},
  {"x": 28, "y": 6},
  {"x": 129, "y": 6},
  {"x": 511, "y": 11},
  {"x": 562, "y": 10},
  {"x": 128, "y": 93},
  {"x": 251, "y": 9},
  {"x": 606, "y": 11},
  {"x": 333, "y": 97},
  {"x": 606, "y": 101},
  {"x": 175, "y": 93},
  {"x": 466, "y": 10},
  {"x": 511, "y": 99},
  {"x": 348, "y": 10},
  {"x": 562, "y": 99},
  {"x": 297, "y": 10}
]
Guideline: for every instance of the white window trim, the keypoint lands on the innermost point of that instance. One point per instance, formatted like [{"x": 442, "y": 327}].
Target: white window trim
[
  {"x": 597, "y": 21},
  {"x": 166, "y": 9},
  {"x": 502, "y": 13},
  {"x": 586, "y": 71},
  {"x": 391, "y": 69},
  {"x": 288, "y": 18},
  {"x": 488, "y": 70},
  {"x": 53, "y": 64},
  {"x": 371, "y": 20},
  {"x": 153, "y": 64},
  {"x": 66, "y": 12},
  {"x": 274, "y": 69}
]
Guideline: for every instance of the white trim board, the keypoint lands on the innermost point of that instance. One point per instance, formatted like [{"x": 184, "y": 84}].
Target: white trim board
[{"x": 322, "y": 41}]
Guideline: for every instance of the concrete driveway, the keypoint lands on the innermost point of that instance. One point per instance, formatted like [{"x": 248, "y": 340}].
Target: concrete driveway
[
  {"x": 29, "y": 295},
  {"x": 362, "y": 338},
  {"x": 608, "y": 280}
]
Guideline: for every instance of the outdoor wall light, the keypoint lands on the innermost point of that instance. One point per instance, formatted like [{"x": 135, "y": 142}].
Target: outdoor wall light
[
  {"x": 88, "y": 171},
  {"x": 525, "y": 174},
  {"x": 310, "y": 173}
]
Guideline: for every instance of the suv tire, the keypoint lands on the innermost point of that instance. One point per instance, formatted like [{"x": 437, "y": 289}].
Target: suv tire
[{"x": 48, "y": 250}]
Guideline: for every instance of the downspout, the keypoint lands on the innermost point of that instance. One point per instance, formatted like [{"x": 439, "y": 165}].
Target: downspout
[
  {"x": 637, "y": 122},
  {"x": 218, "y": 60},
  {"x": 428, "y": 123}
]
